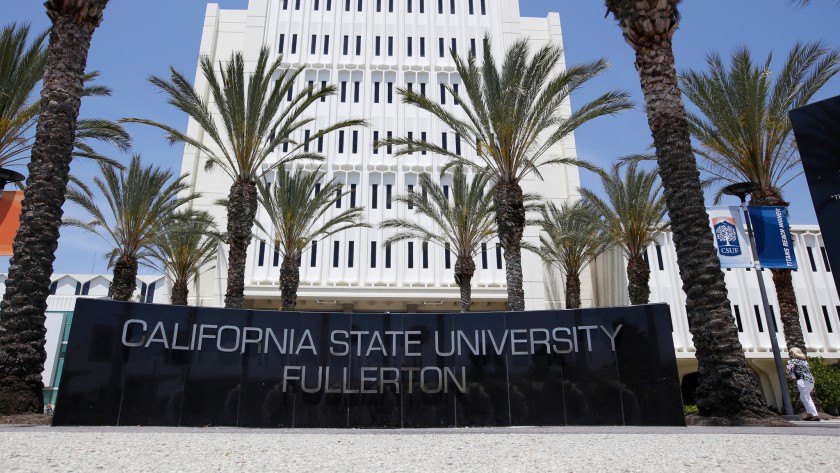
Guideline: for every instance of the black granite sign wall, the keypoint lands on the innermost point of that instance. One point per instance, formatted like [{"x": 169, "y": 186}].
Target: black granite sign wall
[{"x": 145, "y": 364}]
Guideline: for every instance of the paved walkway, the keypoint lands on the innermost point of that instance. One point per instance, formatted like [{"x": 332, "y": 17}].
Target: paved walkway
[{"x": 809, "y": 446}]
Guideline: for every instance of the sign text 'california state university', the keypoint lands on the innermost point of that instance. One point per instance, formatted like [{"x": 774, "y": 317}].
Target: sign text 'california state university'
[{"x": 143, "y": 364}]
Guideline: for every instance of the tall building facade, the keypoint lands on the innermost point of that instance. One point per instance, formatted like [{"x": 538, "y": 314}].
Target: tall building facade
[{"x": 368, "y": 49}]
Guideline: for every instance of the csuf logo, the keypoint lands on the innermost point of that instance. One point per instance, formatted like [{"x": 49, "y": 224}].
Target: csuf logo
[{"x": 726, "y": 234}]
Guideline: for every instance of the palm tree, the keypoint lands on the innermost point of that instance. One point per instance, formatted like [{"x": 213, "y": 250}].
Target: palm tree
[
  {"x": 573, "y": 238},
  {"x": 141, "y": 202},
  {"x": 745, "y": 134},
  {"x": 633, "y": 215},
  {"x": 184, "y": 248},
  {"x": 460, "y": 226},
  {"x": 22, "y": 352},
  {"x": 256, "y": 119},
  {"x": 727, "y": 386},
  {"x": 513, "y": 119},
  {"x": 297, "y": 210},
  {"x": 21, "y": 68}
]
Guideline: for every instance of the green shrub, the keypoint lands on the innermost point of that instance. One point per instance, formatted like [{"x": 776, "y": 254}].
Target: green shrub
[
  {"x": 690, "y": 409},
  {"x": 827, "y": 382}
]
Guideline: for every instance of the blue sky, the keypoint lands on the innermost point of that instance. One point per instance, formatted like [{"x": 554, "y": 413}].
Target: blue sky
[{"x": 141, "y": 38}]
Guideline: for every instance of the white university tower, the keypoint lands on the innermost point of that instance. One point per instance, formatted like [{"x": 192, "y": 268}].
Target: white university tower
[{"x": 368, "y": 48}]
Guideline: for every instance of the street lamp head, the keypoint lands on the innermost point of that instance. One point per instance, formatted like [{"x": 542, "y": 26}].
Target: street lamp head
[
  {"x": 7, "y": 176},
  {"x": 741, "y": 189}
]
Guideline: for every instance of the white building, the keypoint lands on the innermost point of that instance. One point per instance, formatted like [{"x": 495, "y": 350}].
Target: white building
[{"x": 368, "y": 48}]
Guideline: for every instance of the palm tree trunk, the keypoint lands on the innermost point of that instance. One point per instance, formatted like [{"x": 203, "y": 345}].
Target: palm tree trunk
[
  {"x": 638, "y": 277},
  {"x": 22, "y": 329},
  {"x": 289, "y": 282},
  {"x": 727, "y": 386},
  {"x": 180, "y": 292},
  {"x": 510, "y": 220},
  {"x": 572, "y": 291},
  {"x": 125, "y": 278},
  {"x": 464, "y": 271},
  {"x": 242, "y": 208}
]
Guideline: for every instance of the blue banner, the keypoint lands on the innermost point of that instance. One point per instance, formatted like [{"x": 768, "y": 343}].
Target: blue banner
[{"x": 772, "y": 237}]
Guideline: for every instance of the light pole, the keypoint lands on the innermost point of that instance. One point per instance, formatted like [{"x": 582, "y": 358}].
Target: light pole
[
  {"x": 7, "y": 176},
  {"x": 741, "y": 190}
]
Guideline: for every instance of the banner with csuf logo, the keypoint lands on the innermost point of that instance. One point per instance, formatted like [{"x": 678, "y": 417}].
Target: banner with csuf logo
[{"x": 732, "y": 245}]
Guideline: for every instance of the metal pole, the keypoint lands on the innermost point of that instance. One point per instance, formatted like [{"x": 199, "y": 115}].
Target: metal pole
[{"x": 777, "y": 357}]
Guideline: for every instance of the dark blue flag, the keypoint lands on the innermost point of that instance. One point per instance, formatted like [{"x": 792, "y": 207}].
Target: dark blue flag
[{"x": 772, "y": 237}]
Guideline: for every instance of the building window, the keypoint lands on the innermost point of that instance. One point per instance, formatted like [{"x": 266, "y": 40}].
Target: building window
[
  {"x": 335, "y": 254},
  {"x": 326, "y": 44},
  {"x": 373, "y": 254},
  {"x": 289, "y": 94},
  {"x": 423, "y": 89},
  {"x": 408, "y": 6},
  {"x": 470, "y": 6},
  {"x": 447, "y": 256},
  {"x": 811, "y": 258},
  {"x": 53, "y": 287},
  {"x": 261, "y": 254},
  {"x": 374, "y": 193},
  {"x": 484, "y": 256},
  {"x": 294, "y": 44},
  {"x": 317, "y": 188},
  {"x": 807, "y": 318},
  {"x": 458, "y": 144},
  {"x": 338, "y": 198},
  {"x": 329, "y": 5},
  {"x": 341, "y": 141},
  {"x": 410, "y": 255},
  {"x": 390, "y": 6},
  {"x": 389, "y": 148},
  {"x": 356, "y": 86},
  {"x": 472, "y": 47},
  {"x": 276, "y": 261},
  {"x": 376, "y": 142},
  {"x": 454, "y": 46},
  {"x": 387, "y": 255},
  {"x": 312, "y": 45},
  {"x": 443, "y": 141},
  {"x": 440, "y": 47},
  {"x": 297, "y": 4},
  {"x": 343, "y": 91},
  {"x": 355, "y": 144},
  {"x": 313, "y": 257},
  {"x": 350, "y": 251},
  {"x": 422, "y": 47},
  {"x": 422, "y": 6},
  {"x": 86, "y": 288},
  {"x": 310, "y": 88},
  {"x": 79, "y": 288},
  {"x": 388, "y": 189},
  {"x": 376, "y": 92},
  {"x": 410, "y": 191},
  {"x": 390, "y": 92},
  {"x": 758, "y": 318},
  {"x": 282, "y": 43},
  {"x": 452, "y": 6},
  {"x": 378, "y": 6},
  {"x": 353, "y": 195},
  {"x": 827, "y": 319},
  {"x": 483, "y": 7},
  {"x": 306, "y": 140},
  {"x": 390, "y": 45},
  {"x": 446, "y": 192},
  {"x": 323, "y": 86},
  {"x": 408, "y": 46},
  {"x": 376, "y": 42},
  {"x": 320, "y": 144},
  {"x": 455, "y": 94},
  {"x": 738, "y": 318},
  {"x": 358, "y": 45},
  {"x": 659, "y": 257},
  {"x": 359, "y": 6},
  {"x": 825, "y": 259},
  {"x": 423, "y": 138},
  {"x": 425, "y": 254},
  {"x": 440, "y": 7},
  {"x": 285, "y": 4},
  {"x": 499, "y": 258},
  {"x": 442, "y": 94}
]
